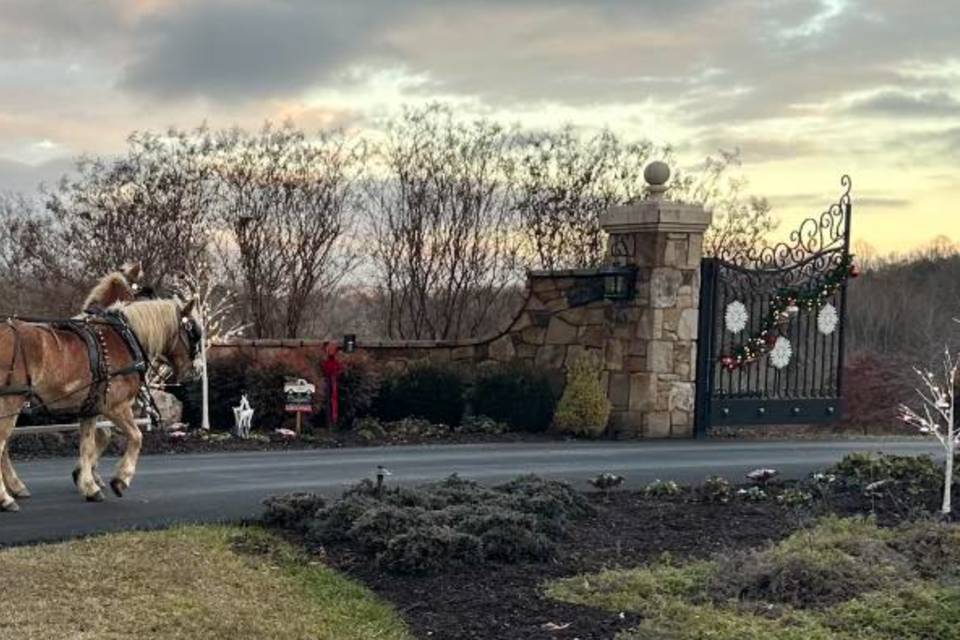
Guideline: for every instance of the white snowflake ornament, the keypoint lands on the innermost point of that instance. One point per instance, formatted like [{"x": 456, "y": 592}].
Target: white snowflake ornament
[
  {"x": 781, "y": 354},
  {"x": 828, "y": 319},
  {"x": 736, "y": 317}
]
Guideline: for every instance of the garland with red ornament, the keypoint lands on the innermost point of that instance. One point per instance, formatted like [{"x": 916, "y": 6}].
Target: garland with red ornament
[{"x": 787, "y": 302}]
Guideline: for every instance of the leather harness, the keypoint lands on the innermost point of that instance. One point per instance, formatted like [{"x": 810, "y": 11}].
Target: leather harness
[{"x": 88, "y": 330}]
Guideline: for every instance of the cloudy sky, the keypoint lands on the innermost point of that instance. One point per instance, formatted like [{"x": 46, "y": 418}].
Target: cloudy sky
[{"x": 807, "y": 89}]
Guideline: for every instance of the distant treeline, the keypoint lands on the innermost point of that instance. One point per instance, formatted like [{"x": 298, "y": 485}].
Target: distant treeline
[{"x": 906, "y": 305}]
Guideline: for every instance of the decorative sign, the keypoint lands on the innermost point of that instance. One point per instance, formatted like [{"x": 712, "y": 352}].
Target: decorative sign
[{"x": 299, "y": 395}]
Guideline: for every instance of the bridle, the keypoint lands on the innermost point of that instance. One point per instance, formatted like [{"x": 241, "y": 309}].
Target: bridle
[{"x": 190, "y": 335}]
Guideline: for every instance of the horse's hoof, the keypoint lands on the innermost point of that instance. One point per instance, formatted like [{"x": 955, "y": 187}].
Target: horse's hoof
[
  {"x": 23, "y": 494},
  {"x": 99, "y": 480},
  {"x": 11, "y": 507},
  {"x": 76, "y": 476},
  {"x": 118, "y": 486},
  {"x": 97, "y": 497}
]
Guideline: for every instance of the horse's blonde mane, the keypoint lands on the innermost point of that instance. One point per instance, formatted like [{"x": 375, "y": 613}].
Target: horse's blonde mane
[
  {"x": 156, "y": 322},
  {"x": 99, "y": 292}
]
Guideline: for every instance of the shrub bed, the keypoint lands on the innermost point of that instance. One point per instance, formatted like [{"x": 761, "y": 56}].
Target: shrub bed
[
  {"x": 424, "y": 390},
  {"x": 844, "y": 579},
  {"x": 435, "y": 527},
  {"x": 515, "y": 394},
  {"x": 904, "y": 486},
  {"x": 358, "y": 385}
]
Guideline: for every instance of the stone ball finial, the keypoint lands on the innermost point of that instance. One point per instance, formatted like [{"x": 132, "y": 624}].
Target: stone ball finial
[{"x": 656, "y": 173}]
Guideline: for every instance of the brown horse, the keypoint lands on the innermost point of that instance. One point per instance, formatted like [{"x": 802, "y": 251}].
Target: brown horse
[
  {"x": 51, "y": 365},
  {"x": 118, "y": 286}
]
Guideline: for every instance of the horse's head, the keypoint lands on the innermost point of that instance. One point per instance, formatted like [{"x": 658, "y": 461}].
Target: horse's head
[
  {"x": 181, "y": 354},
  {"x": 132, "y": 271},
  {"x": 168, "y": 333},
  {"x": 117, "y": 286}
]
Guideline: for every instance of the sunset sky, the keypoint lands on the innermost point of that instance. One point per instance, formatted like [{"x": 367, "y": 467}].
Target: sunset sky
[{"x": 807, "y": 89}]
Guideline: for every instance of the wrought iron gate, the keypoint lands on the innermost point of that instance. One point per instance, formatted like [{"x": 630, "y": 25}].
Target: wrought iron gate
[{"x": 770, "y": 348}]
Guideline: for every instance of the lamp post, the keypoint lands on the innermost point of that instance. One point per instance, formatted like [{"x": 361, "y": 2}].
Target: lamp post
[
  {"x": 349, "y": 343},
  {"x": 618, "y": 282}
]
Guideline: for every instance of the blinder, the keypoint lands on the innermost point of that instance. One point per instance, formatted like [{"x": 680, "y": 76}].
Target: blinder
[{"x": 191, "y": 329}]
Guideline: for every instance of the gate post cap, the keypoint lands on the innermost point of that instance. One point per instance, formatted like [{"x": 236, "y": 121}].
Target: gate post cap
[{"x": 656, "y": 173}]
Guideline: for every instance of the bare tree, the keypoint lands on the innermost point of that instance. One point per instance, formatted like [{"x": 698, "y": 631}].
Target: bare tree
[
  {"x": 30, "y": 280},
  {"x": 440, "y": 224},
  {"x": 288, "y": 204},
  {"x": 151, "y": 204},
  {"x": 564, "y": 182},
  {"x": 741, "y": 223}
]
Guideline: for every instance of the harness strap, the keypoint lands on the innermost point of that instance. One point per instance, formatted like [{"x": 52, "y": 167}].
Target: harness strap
[
  {"x": 140, "y": 364},
  {"x": 95, "y": 356},
  {"x": 16, "y": 390}
]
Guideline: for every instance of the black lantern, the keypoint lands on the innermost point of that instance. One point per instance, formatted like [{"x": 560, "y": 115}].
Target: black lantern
[
  {"x": 349, "y": 343},
  {"x": 618, "y": 283}
]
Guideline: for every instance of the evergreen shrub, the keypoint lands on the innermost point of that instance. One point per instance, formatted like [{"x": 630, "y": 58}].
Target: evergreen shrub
[
  {"x": 583, "y": 409},
  {"x": 515, "y": 393}
]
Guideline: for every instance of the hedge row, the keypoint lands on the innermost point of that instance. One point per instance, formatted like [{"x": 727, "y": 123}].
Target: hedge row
[{"x": 515, "y": 393}]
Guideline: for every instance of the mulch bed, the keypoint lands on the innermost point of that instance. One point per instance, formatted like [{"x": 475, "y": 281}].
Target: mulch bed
[
  {"x": 50, "y": 445},
  {"x": 505, "y": 601}
]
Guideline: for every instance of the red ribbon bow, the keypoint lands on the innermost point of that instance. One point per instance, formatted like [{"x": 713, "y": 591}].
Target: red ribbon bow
[{"x": 332, "y": 369}]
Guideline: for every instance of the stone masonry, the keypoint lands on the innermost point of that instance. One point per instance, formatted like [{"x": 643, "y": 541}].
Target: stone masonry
[
  {"x": 653, "y": 396},
  {"x": 645, "y": 345}
]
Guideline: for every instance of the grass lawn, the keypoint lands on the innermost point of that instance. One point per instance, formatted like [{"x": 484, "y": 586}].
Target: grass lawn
[
  {"x": 210, "y": 582},
  {"x": 845, "y": 579}
]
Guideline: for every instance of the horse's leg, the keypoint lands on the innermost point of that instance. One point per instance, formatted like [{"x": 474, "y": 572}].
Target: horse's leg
[
  {"x": 83, "y": 475},
  {"x": 7, "y": 503},
  {"x": 122, "y": 416},
  {"x": 10, "y": 478},
  {"x": 102, "y": 439}
]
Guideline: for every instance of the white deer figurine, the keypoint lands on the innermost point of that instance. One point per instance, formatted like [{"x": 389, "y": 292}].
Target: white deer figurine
[{"x": 243, "y": 417}]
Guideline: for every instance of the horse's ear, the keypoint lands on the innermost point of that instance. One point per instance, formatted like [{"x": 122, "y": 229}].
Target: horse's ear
[
  {"x": 187, "y": 309},
  {"x": 132, "y": 271}
]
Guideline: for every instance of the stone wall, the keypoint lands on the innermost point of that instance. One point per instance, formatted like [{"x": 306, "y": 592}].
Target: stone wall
[
  {"x": 548, "y": 331},
  {"x": 645, "y": 344}
]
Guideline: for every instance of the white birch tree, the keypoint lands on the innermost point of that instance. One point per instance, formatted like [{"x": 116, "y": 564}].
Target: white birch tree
[
  {"x": 935, "y": 417},
  {"x": 215, "y": 310}
]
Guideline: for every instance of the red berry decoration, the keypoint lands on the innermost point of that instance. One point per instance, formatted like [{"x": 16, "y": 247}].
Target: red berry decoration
[{"x": 854, "y": 271}]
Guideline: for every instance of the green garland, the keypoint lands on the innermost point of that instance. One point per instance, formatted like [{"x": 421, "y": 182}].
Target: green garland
[{"x": 780, "y": 311}]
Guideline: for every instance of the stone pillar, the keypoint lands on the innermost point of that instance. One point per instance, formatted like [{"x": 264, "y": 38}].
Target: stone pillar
[{"x": 653, "y": 393}]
